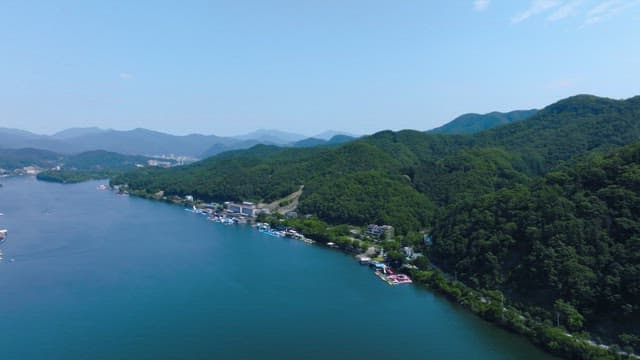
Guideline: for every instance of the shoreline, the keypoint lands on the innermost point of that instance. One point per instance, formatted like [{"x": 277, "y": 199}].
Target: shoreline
[{"x": 553, "y": 340}]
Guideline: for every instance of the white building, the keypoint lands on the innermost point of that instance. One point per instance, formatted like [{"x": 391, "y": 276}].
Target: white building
[{"x": 245, "y": 208}]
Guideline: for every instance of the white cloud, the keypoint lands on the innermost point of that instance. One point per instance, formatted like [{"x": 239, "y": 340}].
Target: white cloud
[
  {"x": 480, "y": 5},
  {"x": 536, "y": 7},
  {"x": 566, "y": 10},
  {"x": 125, "y": 76},
  {"x": 607, "y": 9}
]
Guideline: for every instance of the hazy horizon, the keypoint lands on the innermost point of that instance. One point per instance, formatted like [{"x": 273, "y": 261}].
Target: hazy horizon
[
  {"x": 54, "y": 132},
  {"x": 309, "y": 135},
  {"x": 230, "y": 67}
]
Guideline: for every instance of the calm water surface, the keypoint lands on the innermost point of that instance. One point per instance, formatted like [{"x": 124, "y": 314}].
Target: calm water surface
[{"x": 101, "y": 276}]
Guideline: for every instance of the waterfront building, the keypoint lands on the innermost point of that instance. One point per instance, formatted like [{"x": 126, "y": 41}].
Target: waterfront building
[{"x": 244, "y": 208}]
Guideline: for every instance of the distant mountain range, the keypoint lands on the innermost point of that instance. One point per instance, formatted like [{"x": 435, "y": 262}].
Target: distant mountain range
[
  {"x": 473, "y": 123},
  {"x": 78, "y": 132},
  {"x": 153, "y": 143}
]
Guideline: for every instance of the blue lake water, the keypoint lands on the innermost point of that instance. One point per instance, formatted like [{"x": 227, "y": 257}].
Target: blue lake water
[{"x": 101, "y": 276}]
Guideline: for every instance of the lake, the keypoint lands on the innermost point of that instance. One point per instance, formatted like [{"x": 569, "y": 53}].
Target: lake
[{"x": 100, "y": 276}]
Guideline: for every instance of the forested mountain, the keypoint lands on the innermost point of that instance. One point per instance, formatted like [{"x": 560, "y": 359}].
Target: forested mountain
[
  {"x": 11, "y": 159},
  {"x": 473, "y": 123},
  {"x": 532, "y": 208},
  {"x": 97, "y": 164},
  {"x": 329, "y": 134},
  {"x": 335, "y": 140},
  {"x": 442, "y": 167},
  {"x": 91, "y": 161},
  {"x": 101, "y": 160},
  {"x": 573, "y": 235},
  {"x": 309, "y": 142},
  {"x": 77, "y": 132},
  {"x": 225, "y": 146}
]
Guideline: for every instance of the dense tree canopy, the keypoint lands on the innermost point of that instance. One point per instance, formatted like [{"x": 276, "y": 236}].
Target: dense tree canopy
[{"x": 573, "y": 236}]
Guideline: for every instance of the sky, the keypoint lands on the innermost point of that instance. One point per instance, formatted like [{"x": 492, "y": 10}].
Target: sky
[{"x": 305, "y": 66}]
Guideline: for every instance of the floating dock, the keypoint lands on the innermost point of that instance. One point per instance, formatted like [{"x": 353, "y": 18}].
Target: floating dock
[{"x": 394, "y": 279}]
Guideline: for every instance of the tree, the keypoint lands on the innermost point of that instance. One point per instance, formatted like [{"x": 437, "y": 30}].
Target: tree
[{"x": 569, "y": 315}]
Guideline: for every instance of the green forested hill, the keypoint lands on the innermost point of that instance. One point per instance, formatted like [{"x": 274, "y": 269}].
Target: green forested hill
[
  {"x": 567, "y": 128},
  {"x": 11, "y": 159},
  {"x": 473, "y": 123},
  {"x": 573, "y": 235},
  {"x": 103, "y": 160},
  {"x": 443, "y": 168},
  {"x": 71, "y": 168},
  {"x": 98, "y": 164}
]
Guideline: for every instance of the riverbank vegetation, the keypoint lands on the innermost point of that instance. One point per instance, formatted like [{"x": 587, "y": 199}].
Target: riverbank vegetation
[
  {"x": 73, "y": 176},
  {"x": 534, "y": 324}
]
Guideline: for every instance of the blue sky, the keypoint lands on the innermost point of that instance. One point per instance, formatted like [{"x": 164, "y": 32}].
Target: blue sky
[{"x": 230, "y": 67}]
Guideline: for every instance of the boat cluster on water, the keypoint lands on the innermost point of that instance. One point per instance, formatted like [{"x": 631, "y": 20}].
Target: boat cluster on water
[
  {"x": 265, "y": 228},
  {"x": 3, "y": 237},
  {"x": 219, "y": 217},
  {"x": 3, "y": 232},
  {"x": 227, "y": 218}
]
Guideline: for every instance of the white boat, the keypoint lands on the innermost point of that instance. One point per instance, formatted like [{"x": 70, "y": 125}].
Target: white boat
[{"x": 3, "y": 234}]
